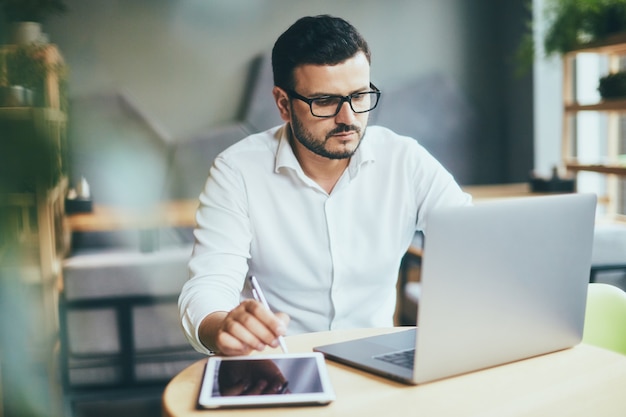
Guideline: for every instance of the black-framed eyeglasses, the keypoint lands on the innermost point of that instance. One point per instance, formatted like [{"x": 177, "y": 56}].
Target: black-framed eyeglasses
[{"x": 329, "y": 106}]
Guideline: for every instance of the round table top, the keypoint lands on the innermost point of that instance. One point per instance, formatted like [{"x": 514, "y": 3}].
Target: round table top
[{"x": 581, "y": 381}]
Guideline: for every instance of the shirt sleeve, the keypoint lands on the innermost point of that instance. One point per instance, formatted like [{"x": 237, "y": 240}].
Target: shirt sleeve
[
  {"x": 436, "y": 187},
  {"x": 218, "y": 264}
]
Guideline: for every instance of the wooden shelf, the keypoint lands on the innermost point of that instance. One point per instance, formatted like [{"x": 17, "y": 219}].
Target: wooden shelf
[
  {"x": 610, "y": 162},
  {"x": 32, "y": 210},
  {"x": 614, "y": 44},
  {"x": 618, "y": 105},
  {"x": 615, "y": 169},
  {"x": 177, "y": 213},
  {"x": 32, "y": 113},
  {"x": 17, "y": 199}
]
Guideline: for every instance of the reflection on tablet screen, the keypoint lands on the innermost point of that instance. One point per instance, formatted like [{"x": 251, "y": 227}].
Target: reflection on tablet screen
[{"x": 276, "y": 376}]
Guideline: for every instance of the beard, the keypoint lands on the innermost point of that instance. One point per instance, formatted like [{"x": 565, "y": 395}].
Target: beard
[{"x": 318, "y": 147}]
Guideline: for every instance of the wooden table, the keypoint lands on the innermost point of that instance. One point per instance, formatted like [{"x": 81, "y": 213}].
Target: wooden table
[
  {"x": 146, "y": 221},
  {"x": 582, "y": 381},
  {"x": 103, "y": 218},
  {"x": 490, "y": 192},
  {"x": 182, "y": 213}
]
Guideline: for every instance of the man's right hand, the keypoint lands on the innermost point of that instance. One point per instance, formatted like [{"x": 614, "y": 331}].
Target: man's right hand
[{"x": 249, "y": 326}]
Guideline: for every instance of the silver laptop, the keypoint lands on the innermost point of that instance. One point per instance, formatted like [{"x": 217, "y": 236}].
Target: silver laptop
[{"x": 501, "y": 281}]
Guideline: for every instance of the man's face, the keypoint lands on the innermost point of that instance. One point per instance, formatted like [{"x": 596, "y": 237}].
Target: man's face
[{"x": 336, "y": 137}]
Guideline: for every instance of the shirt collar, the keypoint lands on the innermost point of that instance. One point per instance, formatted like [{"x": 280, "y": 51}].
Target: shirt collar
[{"x": 285, "y": 158}]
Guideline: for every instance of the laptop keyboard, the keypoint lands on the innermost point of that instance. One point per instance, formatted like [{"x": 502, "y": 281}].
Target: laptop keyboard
[{"x": 404, "y": 358}]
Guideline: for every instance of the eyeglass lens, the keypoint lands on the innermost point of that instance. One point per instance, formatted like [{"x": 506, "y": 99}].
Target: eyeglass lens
[{"x": 330, "y": 106}]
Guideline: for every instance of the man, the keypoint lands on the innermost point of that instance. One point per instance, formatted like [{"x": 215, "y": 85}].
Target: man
[{"x": 320, "y": 209}]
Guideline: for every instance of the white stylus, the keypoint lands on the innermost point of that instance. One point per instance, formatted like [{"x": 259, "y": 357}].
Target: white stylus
[{"x": 258, "y": 295}]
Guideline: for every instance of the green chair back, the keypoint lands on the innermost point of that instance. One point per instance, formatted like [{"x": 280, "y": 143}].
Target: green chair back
[{"x": 605, "y": 317}]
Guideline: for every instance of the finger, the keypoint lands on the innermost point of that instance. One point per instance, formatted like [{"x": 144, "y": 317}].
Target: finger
[
  {"x": 263, "y": 324},
  {"x": 233, "y": 338},
  {"x": 276, "y": 324},
  {"x": 245, "y": 330},
  {"x": 249, "y": 327},
  {"x": 284, "y": 317},
  {"x": 229, "y": 345}
]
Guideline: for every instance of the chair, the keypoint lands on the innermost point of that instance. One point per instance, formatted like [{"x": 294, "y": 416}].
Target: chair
[
  {"x": 608, "y": 260},
  {"x": 409, "y": 286},
  {"x": 605, "y": 318}
]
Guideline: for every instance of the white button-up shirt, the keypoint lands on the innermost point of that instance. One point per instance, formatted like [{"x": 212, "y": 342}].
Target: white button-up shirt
[{"x": 330, "y": 261}]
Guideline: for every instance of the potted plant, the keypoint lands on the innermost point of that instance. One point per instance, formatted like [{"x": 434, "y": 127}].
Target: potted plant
[
  {"x": 613, "y": 86},
  {"x": 575, "y": 23},
  {"x": 572, "y": 24},
  {"x": 26, "y": 16}
]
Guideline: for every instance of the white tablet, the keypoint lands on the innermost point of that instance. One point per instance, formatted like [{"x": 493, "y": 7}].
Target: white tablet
[{"x": 265, "y": 380}]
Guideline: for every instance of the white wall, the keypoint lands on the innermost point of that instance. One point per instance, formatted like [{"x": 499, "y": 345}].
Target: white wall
[{"x": 548, "y": 100}]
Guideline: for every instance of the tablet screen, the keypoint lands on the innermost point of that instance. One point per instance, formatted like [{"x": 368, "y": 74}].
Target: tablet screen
[{"x": 265, "y": 380}]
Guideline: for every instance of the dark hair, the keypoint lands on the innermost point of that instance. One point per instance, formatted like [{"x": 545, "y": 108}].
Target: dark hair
[{"x": 317, "y": 40}]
